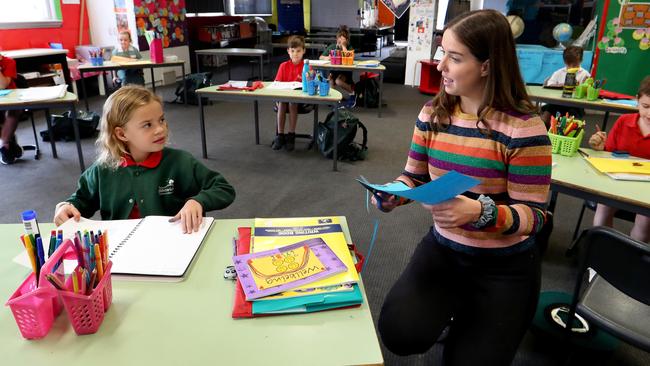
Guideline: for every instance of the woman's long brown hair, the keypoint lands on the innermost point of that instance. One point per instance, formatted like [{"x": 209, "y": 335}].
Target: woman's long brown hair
[{"x": 487, "y": 35}]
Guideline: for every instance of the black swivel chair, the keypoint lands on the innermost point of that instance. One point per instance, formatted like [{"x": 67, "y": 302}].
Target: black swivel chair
[
  {"x": 617, "y": 300},
  {"x": 620, "y": 214}
]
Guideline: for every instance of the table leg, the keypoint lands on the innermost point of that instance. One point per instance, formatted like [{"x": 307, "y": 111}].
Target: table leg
[
  {"x": 257, "y": 122},
  {"x": 552, "y": 202},
  {"x": 184, "y": 88},
  {"x": 77, "y": 137},
  {"x": 204, "y": 148},
  {"x": 48, "y": 121},
  {"x": 83, "y": 89},
  {"x": 228, "y": 62},
  {"x": 381, "y": 89},
  {"x": 603, "y": 127},
  {"x": 336, "y": 138},
  {"x": 198, "y": 65},
  {"x": 153, "y": 82},
  {"x": 314, "y": 129},
  {"x": 262, "y": 68}
]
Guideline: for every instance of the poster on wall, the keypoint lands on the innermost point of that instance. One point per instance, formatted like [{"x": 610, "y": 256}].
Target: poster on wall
[
  {"x": 165, "y": 17},
  {"x": 121, "y": 18},
  {"x": 421, "y": 26},
  {"x": 398, "y": 7},
  {"x": 634, "y": 16}
]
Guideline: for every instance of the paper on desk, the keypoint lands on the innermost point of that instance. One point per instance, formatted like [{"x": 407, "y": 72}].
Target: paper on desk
[
  {"x": 631, "y": 103},
  {"x": 439, "y": 190},
  {"x": 319, "y": 62},
  {"x": 237, "y": 84},
  {"x": 285, "y": 85},
  {"x": 42, "y": 93},
  {"x": 5, "y": 92},
  {"x": 609, "y": 165}
]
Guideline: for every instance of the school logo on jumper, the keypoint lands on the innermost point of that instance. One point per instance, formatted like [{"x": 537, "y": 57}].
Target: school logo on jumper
[{"x": 166, "y": 189}]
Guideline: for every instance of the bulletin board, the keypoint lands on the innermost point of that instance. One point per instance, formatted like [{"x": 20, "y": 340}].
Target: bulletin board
[
  {"x": 625, "y": 40},
  {"x": 165, "y": 17}
]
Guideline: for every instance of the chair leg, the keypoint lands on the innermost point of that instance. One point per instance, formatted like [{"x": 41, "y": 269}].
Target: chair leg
[
  {"x": 38, "y": 150},
  {"x": 570, "y": 251}
]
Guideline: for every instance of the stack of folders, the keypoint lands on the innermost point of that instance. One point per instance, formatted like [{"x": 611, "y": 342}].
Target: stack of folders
[{"x": 294, "y": 265}]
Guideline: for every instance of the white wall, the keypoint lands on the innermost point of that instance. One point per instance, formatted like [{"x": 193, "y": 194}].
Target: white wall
[{"x": 498, "y": 5}]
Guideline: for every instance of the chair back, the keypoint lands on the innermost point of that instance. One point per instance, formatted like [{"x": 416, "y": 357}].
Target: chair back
[{"x": 619, "y": 259}]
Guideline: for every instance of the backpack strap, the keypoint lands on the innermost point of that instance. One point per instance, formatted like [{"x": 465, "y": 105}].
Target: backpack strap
[{"x": 364, "y": 143}]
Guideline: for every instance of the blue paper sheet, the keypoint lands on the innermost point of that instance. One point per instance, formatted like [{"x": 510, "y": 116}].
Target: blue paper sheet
[
  {"x": 442, "y": 189},
  {"x": 630, "y": 102},
  {"x": 4, "y": 92}
]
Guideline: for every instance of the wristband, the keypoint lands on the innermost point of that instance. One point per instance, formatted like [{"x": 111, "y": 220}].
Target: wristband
[{"x": 488, "y": 212}]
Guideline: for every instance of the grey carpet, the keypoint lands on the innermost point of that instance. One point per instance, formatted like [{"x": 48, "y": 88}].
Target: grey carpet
[{"x": 301, "y": 183}]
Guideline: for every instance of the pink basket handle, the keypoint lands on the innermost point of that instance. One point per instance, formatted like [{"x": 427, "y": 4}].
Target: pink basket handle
[{"x": 66, "y": 250}]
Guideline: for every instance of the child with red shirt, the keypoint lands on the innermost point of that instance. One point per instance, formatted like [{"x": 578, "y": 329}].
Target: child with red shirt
[
  {"x": 9, "y": 148},
  {"x": 631, "y": 133},
  {"x": 290, "y": 70}
]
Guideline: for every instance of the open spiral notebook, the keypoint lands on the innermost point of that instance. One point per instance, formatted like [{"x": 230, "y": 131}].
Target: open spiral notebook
[{"x": 151, "y": 248}]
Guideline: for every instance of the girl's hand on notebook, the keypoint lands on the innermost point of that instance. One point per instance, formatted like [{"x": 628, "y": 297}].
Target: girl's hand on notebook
[
  {"x": 191, "y": 216},
  {"x": 455, "y": 212},
  {"x": 65, "y": 212}
]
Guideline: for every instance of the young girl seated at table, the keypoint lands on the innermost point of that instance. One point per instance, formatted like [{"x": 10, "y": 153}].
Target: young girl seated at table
[
  {"x": 630, "y": 133},
  {"x": 129, "y": 76},
  {"x": 135, "y": 175},
  {"x": 341, "y": 80}
]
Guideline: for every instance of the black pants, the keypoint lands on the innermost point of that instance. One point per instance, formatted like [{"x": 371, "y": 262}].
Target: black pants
[{"x": 491, "y": 298}]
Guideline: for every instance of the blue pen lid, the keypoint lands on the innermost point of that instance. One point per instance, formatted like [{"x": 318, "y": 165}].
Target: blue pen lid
[{"x": 29, "y": 215}]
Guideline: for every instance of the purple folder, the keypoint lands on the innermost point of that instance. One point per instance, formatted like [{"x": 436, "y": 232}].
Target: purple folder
[{"x": 301, "y": 276}]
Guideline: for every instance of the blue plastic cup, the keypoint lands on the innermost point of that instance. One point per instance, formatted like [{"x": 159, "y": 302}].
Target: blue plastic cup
[
  {"x": 324, "y": 89},
  {"x": 311, "y": 87}
]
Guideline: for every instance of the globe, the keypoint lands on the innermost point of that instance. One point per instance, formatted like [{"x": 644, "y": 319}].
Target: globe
[
  {"x": 562, "y": 32},
  {"x": 516, "y": 25}
]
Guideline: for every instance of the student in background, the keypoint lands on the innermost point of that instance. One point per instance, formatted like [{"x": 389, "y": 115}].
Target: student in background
[
  {"x": 341, "y": 80},
  {"x": 480, "y": 257},
  {"x": 130, "y": 76},
  {"x": 630, "y": 133},
  {"x": 135, "y": 175},
  {"x": 9, "y": 148},
  {"x": 572, "y": 56},
  {"x": 290, "y": 70}
]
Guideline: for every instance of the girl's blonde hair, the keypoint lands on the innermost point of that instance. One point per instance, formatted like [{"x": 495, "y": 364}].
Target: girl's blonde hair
[{"x": 118, "y": 109}]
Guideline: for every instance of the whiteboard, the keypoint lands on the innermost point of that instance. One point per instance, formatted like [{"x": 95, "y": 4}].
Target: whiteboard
[{"x": 332, "y": 13}]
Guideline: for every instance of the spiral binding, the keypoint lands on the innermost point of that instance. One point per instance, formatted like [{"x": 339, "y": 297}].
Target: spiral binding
[{"x": 123, "y": 242}]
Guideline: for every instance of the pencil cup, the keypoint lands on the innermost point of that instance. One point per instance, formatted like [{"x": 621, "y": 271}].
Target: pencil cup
[
  {"x": 311, "y": 87},
  {"x": 86, "y": 312},
  {"x": 580, "y": 92},
  {"x": 97, "y": 61},
  {"x": 324, "y": 88},
  {"x": 348, "y": 60},
  {"x": 592, "y": 93},
  {"x": 335, "y": 60},
  {"x": 33, "y": 308},
  {"x": 564, "y": 145}
]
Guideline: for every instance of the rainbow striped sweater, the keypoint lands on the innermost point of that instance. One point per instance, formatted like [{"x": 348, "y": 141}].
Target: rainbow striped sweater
[{"x": 513, "y": 165}]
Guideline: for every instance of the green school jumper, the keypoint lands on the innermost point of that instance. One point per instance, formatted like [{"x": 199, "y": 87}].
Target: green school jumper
[{"x": 160, "y": 190}]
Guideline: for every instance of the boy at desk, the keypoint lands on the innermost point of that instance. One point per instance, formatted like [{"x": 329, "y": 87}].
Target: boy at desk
[
  {"x": 630, "y": 133},
  {"x": 9, "y": 148},
  {"x": 136, "y": 175},
  {"x": 572, "y": 56},
  {"x": 288, "y": 71}
]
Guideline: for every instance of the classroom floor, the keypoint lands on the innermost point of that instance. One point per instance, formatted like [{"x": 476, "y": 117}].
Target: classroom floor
[{"x": 301, "y": 183}]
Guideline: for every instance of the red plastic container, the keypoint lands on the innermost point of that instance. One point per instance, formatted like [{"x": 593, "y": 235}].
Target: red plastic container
[
  {"x": 156, "y": 51},
  {"x": 34, "y": 309},
  {"x": 86, "y": 312}
]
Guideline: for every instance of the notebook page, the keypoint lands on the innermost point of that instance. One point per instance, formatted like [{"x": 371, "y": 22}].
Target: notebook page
[{"x": 158, "y": 247}]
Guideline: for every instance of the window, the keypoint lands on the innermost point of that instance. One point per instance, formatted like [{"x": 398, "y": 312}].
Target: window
[{"x": 30, "y": 14}]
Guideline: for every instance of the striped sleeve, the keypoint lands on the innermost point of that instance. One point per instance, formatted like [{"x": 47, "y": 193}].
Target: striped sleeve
[
  {"x": 416, "y": 171},
  {"x": 528, "y": 182}
]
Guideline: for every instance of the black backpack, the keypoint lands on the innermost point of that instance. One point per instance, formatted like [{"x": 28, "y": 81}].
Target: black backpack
[
  {"x": 347, "y": 125},
  {"x": 192, "y": 83},
  {"x": 367, "y": 91},
  {"x": 63, "y": 130}
]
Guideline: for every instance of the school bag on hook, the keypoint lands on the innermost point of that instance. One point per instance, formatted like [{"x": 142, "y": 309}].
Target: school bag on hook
[{"x": 192, "y": 83}]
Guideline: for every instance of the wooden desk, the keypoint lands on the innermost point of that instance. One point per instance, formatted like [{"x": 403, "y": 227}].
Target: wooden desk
[
  {"x": 31, "y": 59},
  {"x": 356, "y": 67},
  {"x": 187, "y": 323},
  {"x": 266, "y": 94},
  {"x": 140, "y": 64},
  {"x": 241, "y": 52},
  {"x": 554, "y": 96},
  {"x": 12, "y": 102},
  {"x": 576, "y": 177}
]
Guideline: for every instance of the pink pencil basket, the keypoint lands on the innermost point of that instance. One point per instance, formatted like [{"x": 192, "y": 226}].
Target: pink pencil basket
[{"x": 86, "y": 312}]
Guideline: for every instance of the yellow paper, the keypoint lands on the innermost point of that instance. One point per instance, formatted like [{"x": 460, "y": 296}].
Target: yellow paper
[
  {"x": 284, "y": 267},
  {"x": 608, "y": 165},
  {"x": 287, "y": 226},
  {"x": 120, "y": 60}
]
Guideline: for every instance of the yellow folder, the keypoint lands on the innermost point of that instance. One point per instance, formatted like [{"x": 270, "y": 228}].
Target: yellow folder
[{"x": 608, "y": 165}]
